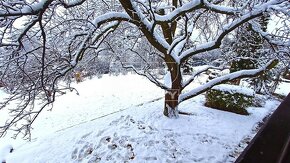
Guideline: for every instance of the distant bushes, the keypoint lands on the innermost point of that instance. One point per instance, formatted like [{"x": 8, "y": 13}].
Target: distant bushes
[{"x": 230, "y": 98}]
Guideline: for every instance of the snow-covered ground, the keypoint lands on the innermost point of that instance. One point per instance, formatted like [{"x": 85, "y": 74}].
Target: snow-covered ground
[
  {"x": 283, "y": 89},
  {"x": 97, "y": 97},
  {"x": 114, "y": 119}
]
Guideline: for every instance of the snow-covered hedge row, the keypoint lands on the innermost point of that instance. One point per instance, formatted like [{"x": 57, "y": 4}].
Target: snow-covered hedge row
[{"x": 230, "y": 98}]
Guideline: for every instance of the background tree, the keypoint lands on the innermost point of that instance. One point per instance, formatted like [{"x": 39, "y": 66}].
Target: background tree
[
  {"x": 62, "y": 33},
  {"x": 251, "y": 51}
]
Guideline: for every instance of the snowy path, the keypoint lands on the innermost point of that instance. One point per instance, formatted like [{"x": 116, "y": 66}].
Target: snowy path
[{"x": 96, "y": 118}]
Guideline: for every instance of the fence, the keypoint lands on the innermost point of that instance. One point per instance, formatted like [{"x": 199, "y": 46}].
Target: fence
[{"x": 272, "y": 142}]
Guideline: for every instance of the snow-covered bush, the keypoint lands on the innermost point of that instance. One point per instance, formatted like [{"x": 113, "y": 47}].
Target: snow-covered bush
[{"x": 230, "y": 98}]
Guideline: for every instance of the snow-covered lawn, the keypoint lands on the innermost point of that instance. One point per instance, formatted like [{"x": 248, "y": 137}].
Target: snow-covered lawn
[
  {"x": 114, "y": 119},
  {"x": 97, "y": 97}
]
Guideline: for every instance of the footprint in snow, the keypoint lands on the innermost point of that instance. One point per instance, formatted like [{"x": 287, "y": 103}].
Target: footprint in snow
[{"x": 4, "y": 151}]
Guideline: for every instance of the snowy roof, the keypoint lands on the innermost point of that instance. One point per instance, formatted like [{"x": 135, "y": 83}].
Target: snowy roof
[{"x": 234, "y": 89}]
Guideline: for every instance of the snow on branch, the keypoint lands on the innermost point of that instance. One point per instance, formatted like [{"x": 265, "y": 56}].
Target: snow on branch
[
  {"x": 267, "y": 36},
  {"x": 227, "y": 29},
  {"x": 71, "y": 3},
  {"x": 24, "y": 8},
  {"x": 27, "y": 9},
  {"x": 89, "y": 41},
  {"x": 111, "y": 16},
  {"x": 228, "y": 77},
  {"x": 221, "y": 9},
  {"x": 146, "y": 74},
  {"x": 190, "y": 6},
  {"x": 145, "y": 25},
  {"x": 193, "y": 76}
]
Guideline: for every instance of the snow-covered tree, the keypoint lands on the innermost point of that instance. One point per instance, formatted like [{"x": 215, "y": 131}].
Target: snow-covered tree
[
  {"x": 62, "y": 32},
  {"x": 251, "y": 51}
]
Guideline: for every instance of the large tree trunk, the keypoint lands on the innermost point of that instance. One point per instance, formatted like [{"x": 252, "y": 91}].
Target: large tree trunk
[{"x": 171, "y": 95}]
